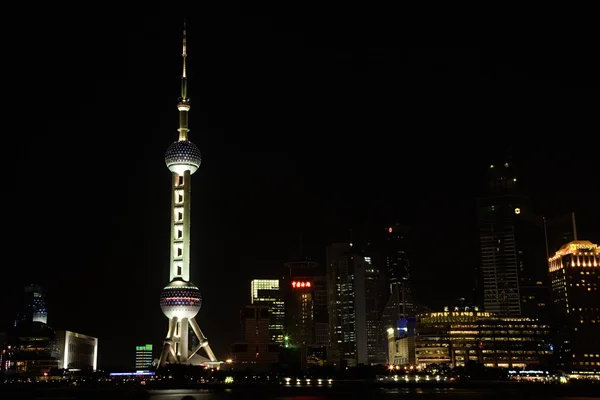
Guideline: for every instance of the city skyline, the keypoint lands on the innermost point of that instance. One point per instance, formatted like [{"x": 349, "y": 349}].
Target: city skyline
[{"x": 327, "y": 161}]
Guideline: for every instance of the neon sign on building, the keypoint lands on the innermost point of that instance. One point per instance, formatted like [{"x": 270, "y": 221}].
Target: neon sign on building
[{"x": 301, "y": 284}]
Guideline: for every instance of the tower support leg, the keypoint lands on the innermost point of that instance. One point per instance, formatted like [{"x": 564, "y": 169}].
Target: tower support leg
[
  {"x": 168, "y": 343},
  {"x": 203, "y": 341}
]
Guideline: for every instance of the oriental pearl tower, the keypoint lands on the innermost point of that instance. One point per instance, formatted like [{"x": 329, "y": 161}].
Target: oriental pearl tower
[{"x": 180, "y": 300}]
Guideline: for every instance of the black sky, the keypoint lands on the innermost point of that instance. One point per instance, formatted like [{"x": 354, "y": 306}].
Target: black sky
[{"x": 309, "y": 124}]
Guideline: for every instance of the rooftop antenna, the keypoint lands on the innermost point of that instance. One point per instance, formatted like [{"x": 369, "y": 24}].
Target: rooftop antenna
[{"x": 574, "y": 226}]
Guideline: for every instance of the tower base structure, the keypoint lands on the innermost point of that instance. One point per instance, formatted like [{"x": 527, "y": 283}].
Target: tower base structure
[{"x": 175, "y": 348}]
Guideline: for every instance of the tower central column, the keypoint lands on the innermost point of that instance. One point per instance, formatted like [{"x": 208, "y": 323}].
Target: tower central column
[{"x": 180, "y": 226}]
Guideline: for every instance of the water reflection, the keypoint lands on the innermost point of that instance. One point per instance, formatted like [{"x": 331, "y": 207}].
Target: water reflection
[
  {"x": 187, "y": 394},
  {"x": 293, "y": 393}
]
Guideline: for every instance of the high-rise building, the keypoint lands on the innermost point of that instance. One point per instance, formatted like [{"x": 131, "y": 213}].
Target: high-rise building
[
  {"x": 511, "y": 278},
  {"x": 266, "y": 292},
  {"x": 317, "y": 320},
  {"x": 374, "y": 288},
  {"x": 300, "y": 315},
  {"x": 396, "y": 257},
  {"x": 143, "y": 357},
  {"x": 399, "y": 304},
  {"x": 256, "y": 347},
  {"x": 306, "y": 311},
  {"x": 34, "y": 307},
  {"x": 346, "y": 304},
  {"x": 181, "y": 300},
  {"x": 575, "y": 276}
]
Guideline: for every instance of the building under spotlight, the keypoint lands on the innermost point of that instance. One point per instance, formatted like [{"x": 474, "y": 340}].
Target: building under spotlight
[
  {"x": 575, "y": 277},
  {"x": 77, "y": 351}
]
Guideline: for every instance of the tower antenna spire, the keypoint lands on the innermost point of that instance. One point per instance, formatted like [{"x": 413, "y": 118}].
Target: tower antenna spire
[
  {"x": 184, "y": 101},
  {"x": 184, "y": 72}
]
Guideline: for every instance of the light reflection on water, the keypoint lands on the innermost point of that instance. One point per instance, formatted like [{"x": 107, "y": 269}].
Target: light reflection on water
[
  {"x": 340, "y": 393},
  {"x": 401, "y": 393}
]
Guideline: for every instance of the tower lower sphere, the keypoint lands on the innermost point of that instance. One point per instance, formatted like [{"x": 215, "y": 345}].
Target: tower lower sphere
[{"x": 180, "y": 299}]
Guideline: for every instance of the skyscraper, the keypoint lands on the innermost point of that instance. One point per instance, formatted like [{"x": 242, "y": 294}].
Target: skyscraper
[
  {"x": 181, "y": 300},
  {"x": 396, "y": 257},
  {"x": 306, "y": 314},
  {"x": 575, "y": 274},
  {"x": 399, "y": 309},
  {"x": 511, "y": 278},
  {"x": 34, "y": 307},
  {"x": 374, "y": 288},
  {"x": 267, "y": 292},
  {"x": 347, "y": 306}
]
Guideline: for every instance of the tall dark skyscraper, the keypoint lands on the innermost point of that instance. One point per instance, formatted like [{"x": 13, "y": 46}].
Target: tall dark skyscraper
[
  {"x": 396, "y": 257},
  {"x": 346, "y": 298},
  {"x": 512, "y": 274},
  {"x": 34, "y": 305}
]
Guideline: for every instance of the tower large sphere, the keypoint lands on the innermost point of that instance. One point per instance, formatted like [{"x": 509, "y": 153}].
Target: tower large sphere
[
  {"x": 182, "y": 156},
  {"x": 180, "y": 299}
]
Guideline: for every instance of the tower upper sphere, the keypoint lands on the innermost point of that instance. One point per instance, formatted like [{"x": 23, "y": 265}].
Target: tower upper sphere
[{"x": 182, "y": 156}]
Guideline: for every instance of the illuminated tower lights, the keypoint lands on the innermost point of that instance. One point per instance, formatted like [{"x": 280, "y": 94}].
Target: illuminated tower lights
[{"x": 181, "y": 300}]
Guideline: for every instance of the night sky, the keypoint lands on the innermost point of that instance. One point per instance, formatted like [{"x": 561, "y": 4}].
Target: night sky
[{"x": 309, "y": 125}]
